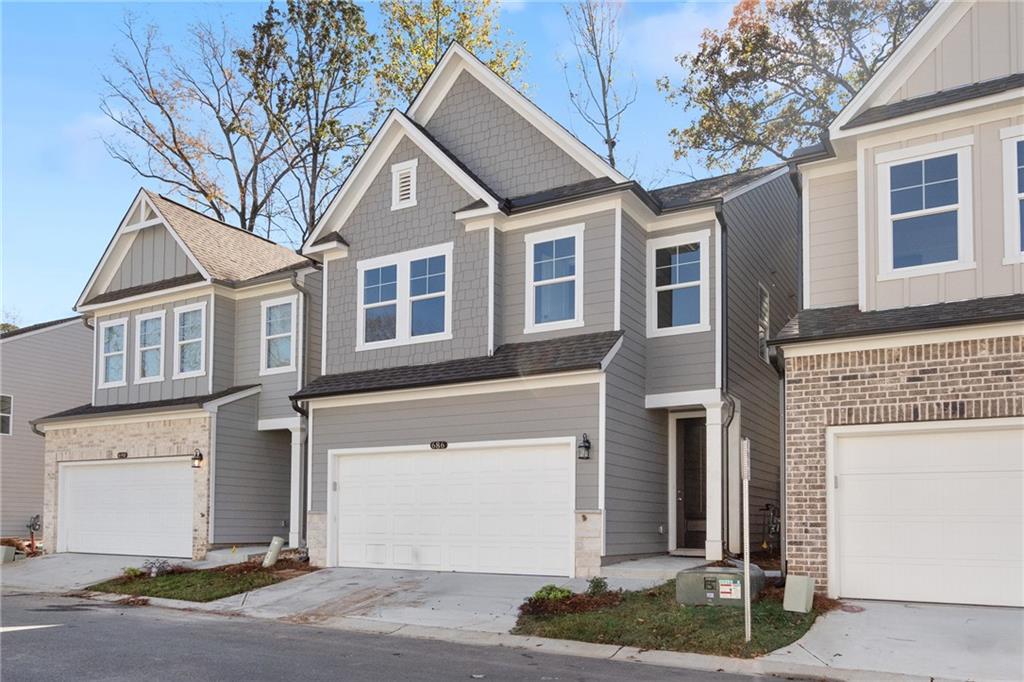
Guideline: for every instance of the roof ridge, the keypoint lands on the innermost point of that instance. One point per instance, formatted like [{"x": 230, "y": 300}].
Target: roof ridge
[{"x": 215, "y": 220}]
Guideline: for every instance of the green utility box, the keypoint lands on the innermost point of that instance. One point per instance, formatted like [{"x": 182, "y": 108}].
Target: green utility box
[{"x": 716, "y": 585}]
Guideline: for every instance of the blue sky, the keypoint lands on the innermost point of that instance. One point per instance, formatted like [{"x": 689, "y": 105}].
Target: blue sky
[{"x": 62, "y": 195}]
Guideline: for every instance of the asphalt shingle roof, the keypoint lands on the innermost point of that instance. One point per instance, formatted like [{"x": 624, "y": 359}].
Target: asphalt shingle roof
[
  {"x": 90, "y": 410},
  {"x": 572, "y": 353},
  {"x": 170, "y": 283},
  {"x": 678, "y": 196},
  {"x": 817, "y": 324},
  {"x": 36, "y": 327}
]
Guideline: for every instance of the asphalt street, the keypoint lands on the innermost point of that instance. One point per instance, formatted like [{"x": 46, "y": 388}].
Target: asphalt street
[{"x": 46, "y": 637}]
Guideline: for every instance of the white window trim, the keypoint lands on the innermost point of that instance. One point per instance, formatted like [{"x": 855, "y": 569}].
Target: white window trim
[
  {"x": 534, "y": 238},
  {"x": 396, "y": 170},
  {"x": 290, "y": 367},
  {"x": 702, "y": 238},
  {"x": 403, "y": 301},
  {"x": 120, "y": 322},
  {"x": 766, "y": 357},
  {"x": 960, "y": 146},
  {"x": 1012, "y": 248},
  {"x": 9, "y": 415},
  {"x": 139, "y": 319},
  {"x": 178, "y": 374}
]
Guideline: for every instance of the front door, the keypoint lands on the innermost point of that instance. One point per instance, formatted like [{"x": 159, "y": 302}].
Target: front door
[{"x": 691, "y": 483}]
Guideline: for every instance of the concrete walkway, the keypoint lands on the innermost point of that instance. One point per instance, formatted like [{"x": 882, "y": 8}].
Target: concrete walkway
[{"x": 929, "y": 640}]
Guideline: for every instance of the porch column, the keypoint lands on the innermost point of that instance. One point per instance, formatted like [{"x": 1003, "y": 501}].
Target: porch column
[
  {"x": 734, "y": 478},
  {"x": 713, "y": 536},
  {"x": 295, "y": 486}
]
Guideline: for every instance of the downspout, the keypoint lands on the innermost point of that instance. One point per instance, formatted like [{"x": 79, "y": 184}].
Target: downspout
[
  {"x": 723, "y": 269},
  {"x": 779, "y": 364},
  {"x": 303, "y": 363}
]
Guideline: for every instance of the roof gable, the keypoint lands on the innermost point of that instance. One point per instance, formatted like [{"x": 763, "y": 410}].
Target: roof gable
[{"x": 457, "y": 60}]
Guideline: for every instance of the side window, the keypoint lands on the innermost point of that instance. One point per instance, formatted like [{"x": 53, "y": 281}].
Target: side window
[
  {"x": 6, "y": 414},
  {"x": 149, "y": 348},
  {"x": 924, "y": 212},
  {"x": 190, "y": 341},
  {"x": 554, "y": 274},
  {"x": 678, "y": 290},
  {"x": 1013, "y": 193},
  {"x": 763, "y": 320},
  {"x": 403, "y": 185},
  {"x": 112, "y": 353},
  {"x": 277, "y": 339}
]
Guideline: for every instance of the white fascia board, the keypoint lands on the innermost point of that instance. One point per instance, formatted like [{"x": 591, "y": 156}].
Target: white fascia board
[
  {"x": 151, "y": 298},
  {"x": 280, "y": 424},
  {"x": 457, "y": 59},
  {"x": 212, "y": 405},
  {"x": 922, "y": 337},
  {"x": 81, "y": 421},
  {"x": 763, "y": 180},
  {"x": 391, "y": 132},
  {"x": 653, "y": 401},
  {"x": 612, "y": 353},
  {"x": 902, "y": 62}
]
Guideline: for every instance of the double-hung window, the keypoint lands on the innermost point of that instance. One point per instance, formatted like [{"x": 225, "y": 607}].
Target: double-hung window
[
  {"x": 113, "y": 343},
  {"x": 405, "y": 298},
  {"x": 277, "y": 340},
  {"x": 678, "y": 287},
  {"x": 190, "y": 341},
  {"x": 924, "y": 197},
  {"x": 1013, "y": 193},
  {"x": 149, "y": 347},
  {"x": 554, "y": 279},
  {"x": 6, "y": 414}
]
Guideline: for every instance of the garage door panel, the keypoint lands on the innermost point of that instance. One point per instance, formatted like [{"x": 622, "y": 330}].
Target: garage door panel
[
  {"x": 492, "y": 509},
  {"x": 931, "y": 516}
]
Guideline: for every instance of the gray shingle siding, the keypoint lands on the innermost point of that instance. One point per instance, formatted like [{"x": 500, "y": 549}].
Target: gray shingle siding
[
  {"x": 374, "y": 230},
  {"x": 501, "y": 147},
  {"x": 763, "y": 247},
  {"x": 44, "y": 372},
  {"x": 153, "y": 256},
  {"x": 251, "y": 479},
  {"x": 551, "y": 412}
]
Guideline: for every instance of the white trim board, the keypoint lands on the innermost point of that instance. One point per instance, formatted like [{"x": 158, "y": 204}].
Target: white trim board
[
  {"x": 899, "y": 339},
  {"x": 696, "y": 398}
]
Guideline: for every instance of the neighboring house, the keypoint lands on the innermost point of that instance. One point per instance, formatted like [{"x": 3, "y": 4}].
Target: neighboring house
[
  {"x": 904, "y": 372},
  {"x": 532, "y": 364},
  {"x": 43, "y": 368},
  {"x": 202, "y": 331}
]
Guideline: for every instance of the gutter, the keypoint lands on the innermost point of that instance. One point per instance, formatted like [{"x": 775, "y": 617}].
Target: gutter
[{"x": 723, "y": 273}]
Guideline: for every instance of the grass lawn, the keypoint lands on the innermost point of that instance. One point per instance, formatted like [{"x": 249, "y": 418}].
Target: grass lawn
[
  {"x": 203, "y": 585},
  {"x": 652, "y": 619}
]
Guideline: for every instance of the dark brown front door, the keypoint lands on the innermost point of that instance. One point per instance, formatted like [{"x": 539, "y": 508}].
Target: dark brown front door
[{"x": 691, "y": 483}]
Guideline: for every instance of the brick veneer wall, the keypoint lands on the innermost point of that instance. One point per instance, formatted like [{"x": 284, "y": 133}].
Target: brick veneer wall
[{"x": 931, "y": 382}]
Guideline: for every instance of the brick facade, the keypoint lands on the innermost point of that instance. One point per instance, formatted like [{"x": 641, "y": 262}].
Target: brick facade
[
  {"x": 142, "y": 439},
  {"x": 930, "y": 382}
]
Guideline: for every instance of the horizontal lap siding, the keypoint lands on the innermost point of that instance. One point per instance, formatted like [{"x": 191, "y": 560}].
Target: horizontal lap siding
[
  {"x": 313, "y": 283},
  {"x": 251, "y": 487},
  {"x": 568, "y": 411},
  {"x": 273, "y": 399},
  {"x": 223, "y": 359},
  {"x": 832, "y": 239}
]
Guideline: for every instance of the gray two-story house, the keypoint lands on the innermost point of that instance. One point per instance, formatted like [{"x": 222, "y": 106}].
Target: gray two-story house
[
  {"x": 531, "y": 363},
  {"x": 200, "y": 332}
]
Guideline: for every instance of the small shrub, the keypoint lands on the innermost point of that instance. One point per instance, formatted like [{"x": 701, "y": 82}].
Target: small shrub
[
  {"x": 576, "y": 603},
  {"x": 131, "y": 572},
  {"x": 156, "y": 567},
  {"x": 596, "y": 586},
  {"x": 552, "y": 593}
]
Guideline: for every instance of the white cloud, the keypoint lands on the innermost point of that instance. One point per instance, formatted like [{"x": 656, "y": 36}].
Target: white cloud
[{"x": 651, "y": 42}]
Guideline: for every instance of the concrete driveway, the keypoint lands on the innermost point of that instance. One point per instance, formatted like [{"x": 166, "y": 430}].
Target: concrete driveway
[
  {"x": 383, "y": 598},
  {"x": 930, "y": 640}
]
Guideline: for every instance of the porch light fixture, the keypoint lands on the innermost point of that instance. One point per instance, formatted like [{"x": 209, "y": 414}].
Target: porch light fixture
[
  {"x": 583, "y": 449},
  {"x": 197, "y": 459}
]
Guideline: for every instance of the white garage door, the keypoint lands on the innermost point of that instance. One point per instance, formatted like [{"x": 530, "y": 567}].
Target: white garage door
[
  {"x": 932, "y": 513},
  {"x": 505, "y": 509},
  {"x": 126, "y": 507}
]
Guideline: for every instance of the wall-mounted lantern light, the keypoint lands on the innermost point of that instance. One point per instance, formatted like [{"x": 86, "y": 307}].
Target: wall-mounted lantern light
[
  {"x": 583, "y": 449},
  {"x": 197, "y": 459}
]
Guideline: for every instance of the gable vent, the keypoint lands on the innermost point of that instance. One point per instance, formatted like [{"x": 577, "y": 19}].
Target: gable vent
[{"x": 403, "y": 185}]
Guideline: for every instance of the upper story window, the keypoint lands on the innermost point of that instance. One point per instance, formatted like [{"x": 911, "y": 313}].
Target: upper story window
[
  {"x": 678, "y": 288},
  {"x": 112, "y": 353},
  {"x": 149, "y": 347},
  {"x": 405, "y": 298},
  {"x": 403, "y": 185},
  {"x": 277, "y": 340},
  {"x": 1013, "y": 193},
  {"x": 190, "y": 341},
  {"x": 554, "y": 279},
  {"x": 6, "y": 414},
  {"x": 924, "y": 209},
  {"x": 763, "y": 321}
]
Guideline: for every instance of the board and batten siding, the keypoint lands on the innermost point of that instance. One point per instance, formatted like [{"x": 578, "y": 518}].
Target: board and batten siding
[
  {"x": 684, "y": 362},
  {"x": 832, "y": 239},
  {"x": 763, "y": 248},
  {"x": 44, "y": 372},
  {"x": 375, "y": 230},
  {"x": 251, "y": 479},
  {"x": 566, "y": 411},
  {"x": 133, "y": 392},
  {"x": 636, "y": 445},
  {"x": 506, "y": 151},
  {"x": 153, "y": 256},
  {"x": 598, "y": 278}
]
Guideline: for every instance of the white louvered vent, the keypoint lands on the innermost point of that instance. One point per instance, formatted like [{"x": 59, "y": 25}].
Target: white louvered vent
[{"x": 403, "y": 185}]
